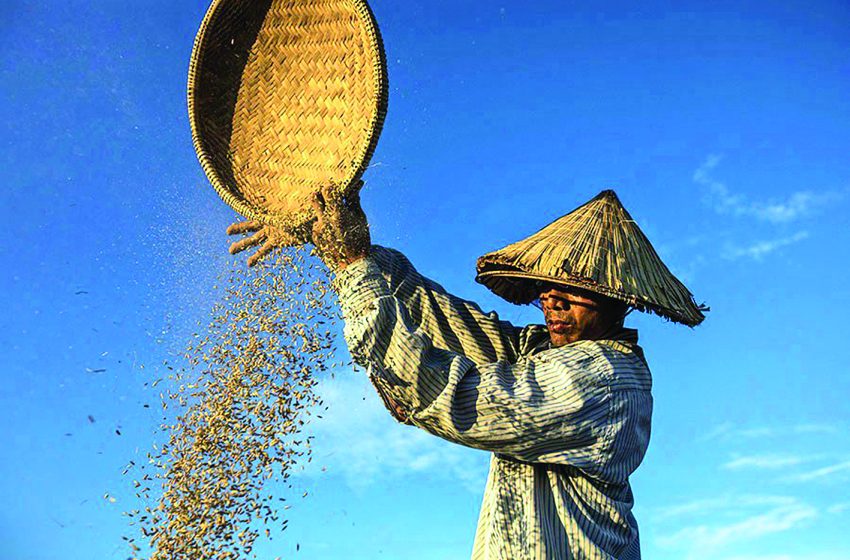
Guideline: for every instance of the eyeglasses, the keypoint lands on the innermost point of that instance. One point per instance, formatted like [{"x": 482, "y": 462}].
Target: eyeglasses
[
  {"x": 539, "y": 286},
  {"x": 566, "y": 303}
]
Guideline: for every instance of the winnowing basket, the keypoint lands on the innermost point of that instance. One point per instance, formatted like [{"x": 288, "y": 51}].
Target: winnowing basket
[{"x": 285, "y": 97}]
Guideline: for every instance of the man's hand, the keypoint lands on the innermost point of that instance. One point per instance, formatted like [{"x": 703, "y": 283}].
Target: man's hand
[
  {"x": 340, "y": 232},
  {"x": 270, "y": 238}
]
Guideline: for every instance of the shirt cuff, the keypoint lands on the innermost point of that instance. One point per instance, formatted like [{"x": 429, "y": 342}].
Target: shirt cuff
[{"x": 359, "y": 285}]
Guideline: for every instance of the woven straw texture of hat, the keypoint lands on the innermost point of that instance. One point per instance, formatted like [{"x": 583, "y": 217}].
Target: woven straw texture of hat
[
  {"x": 286, "y": 97},
  {"x": 596, "y": 247}
]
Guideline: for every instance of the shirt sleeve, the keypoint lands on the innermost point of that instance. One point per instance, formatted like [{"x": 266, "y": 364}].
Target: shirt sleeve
[
  {"x": 450, "y": 322},
  {"x": 551, "y": 407}
]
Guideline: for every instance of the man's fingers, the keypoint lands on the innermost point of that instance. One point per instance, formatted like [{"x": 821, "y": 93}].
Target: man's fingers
[
  {"x": 261, "y": 253},
  {"x": 317, "y": 201},
  {"x": 244, "y": 227},
  {"x": 243, "y": 244},
  {"x": 319, "y": 209}
]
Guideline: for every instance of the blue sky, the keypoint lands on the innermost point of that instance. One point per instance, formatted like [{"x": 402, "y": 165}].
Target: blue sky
[{"x": 723, "y": 126}]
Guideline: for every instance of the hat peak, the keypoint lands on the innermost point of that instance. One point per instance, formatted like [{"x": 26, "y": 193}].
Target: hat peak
[{"x": 608, "y": 194}]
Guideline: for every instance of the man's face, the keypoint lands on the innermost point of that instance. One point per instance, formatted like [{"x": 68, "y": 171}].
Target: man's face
[{"x": 571, "y": 316}]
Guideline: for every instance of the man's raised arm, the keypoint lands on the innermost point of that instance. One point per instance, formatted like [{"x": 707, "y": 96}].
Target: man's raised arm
[
  {"x": 450, "y": 322},
  {"x": 554, "y": 407}
]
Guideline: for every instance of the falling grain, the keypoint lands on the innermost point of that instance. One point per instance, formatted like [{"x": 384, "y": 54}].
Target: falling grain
[{"x": 242, "y": 400}]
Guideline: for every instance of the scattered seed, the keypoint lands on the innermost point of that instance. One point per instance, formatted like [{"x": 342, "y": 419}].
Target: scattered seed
[{"x": 235, "y": 410}]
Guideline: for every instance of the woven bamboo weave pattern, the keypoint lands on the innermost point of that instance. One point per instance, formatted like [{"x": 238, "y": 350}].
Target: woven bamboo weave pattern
[
  {"x": 284, "y": 98},
  {"x": 597, "y": 247}
]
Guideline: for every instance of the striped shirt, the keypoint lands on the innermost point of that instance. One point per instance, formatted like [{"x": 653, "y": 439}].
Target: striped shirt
[{"x": 566, "y": 425}]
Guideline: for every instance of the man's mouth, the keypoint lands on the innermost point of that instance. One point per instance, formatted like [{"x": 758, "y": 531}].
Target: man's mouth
[{"x": 559, "y": 327}]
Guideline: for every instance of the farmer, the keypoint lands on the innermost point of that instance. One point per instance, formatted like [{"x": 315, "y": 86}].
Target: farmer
[{"x": 564, "y": 408}]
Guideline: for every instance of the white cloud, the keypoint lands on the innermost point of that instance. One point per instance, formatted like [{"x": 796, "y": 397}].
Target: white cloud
[
  {"x": 356, "y": 438},
  {"x": 724, "y": 505},
  {"x": 761, "y": 249},
  {"x": 731, "y": 431},
  {"x": 767, "y": 461},
  {"x": 793, "y": 207},
  {"x": 721, "y": 431},
  {"x": 824, "y": 473},
  {"x": 759, "y": 557},
  {"x": 735, "y": 526},
  {"x": 810, "y": 555},
  {"x": 838, "y": 509},
  {"x": 799, "y": 204},
  {"x": 763, "y": 517},
  {"x": 815, "y": 429}
]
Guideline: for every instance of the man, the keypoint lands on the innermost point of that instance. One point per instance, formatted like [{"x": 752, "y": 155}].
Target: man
[{"x": 565, "y": 408}]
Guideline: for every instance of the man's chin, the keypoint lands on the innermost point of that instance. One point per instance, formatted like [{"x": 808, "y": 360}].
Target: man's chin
[{"x": 559, "y": 339}]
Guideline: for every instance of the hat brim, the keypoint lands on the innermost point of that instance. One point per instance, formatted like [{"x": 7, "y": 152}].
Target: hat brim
[{"x": 519, "y": 287}]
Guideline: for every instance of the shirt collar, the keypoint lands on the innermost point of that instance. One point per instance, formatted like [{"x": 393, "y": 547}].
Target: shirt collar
[{"x": 624, "y": 336}]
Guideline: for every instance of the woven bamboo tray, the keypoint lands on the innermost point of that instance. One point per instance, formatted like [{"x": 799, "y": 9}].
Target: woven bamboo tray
[{"x": 286, "y": 97}]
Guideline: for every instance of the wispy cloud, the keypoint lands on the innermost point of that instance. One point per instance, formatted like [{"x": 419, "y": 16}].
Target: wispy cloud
[
  {"x": 810, "y": 555},
  {"x": 815, "y": 429},
  {"x": 747, "y": 525},
  {"x": 357, "y": 439},
  {"x": 767, "y": 462},
  {"x": 759, "y": 557},
  {"x": 727, "y": 504},
  {"x": 838, "y": 509},
  {"x": 761, "y": 249},
  {"x": 730, "y": 431},
  {"x": 743, "y": 523},
  {"x": 778, "y": 211},
  {"x": 838, "y": 470}
]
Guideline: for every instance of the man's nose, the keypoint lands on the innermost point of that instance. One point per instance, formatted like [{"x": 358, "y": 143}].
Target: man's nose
[{"x": 553, "y": 302}]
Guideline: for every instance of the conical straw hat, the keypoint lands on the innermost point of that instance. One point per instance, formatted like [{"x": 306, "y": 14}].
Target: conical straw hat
[
  {"x": 596, "y": 247},
  {"x": 285, "y": 96}
]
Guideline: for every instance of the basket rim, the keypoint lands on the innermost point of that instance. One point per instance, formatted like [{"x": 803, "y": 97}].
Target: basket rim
[{"x": 294, "y": 220}]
